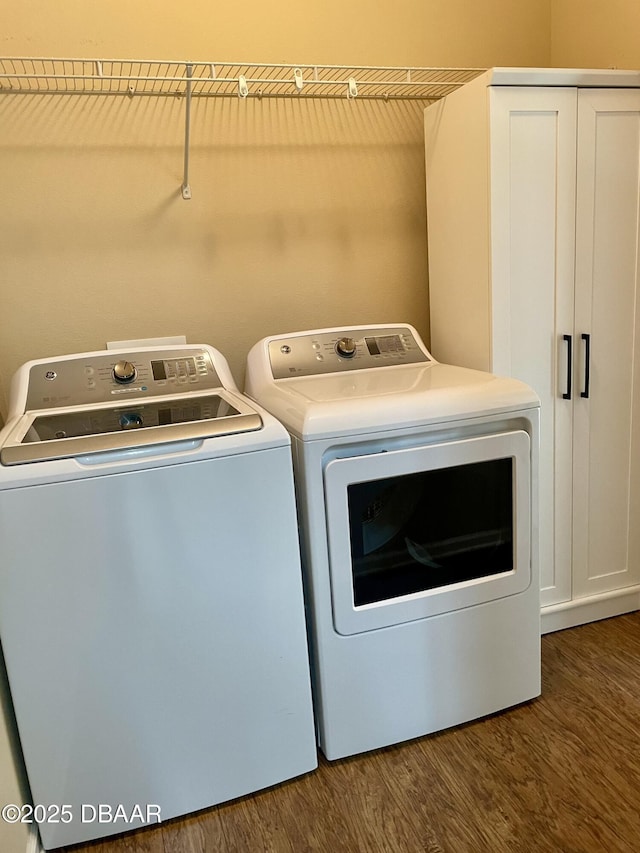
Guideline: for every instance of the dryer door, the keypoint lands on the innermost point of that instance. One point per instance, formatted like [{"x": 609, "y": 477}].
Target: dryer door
[{"x": 421, "y": 531}]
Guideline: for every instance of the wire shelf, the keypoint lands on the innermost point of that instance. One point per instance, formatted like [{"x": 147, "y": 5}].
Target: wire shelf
[
  {"x": 227, "y": 79},
  {"x": 132, "y": 77}
]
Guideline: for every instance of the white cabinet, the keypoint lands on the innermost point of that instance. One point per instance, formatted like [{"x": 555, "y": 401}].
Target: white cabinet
[{"x": 533, "y": 200}]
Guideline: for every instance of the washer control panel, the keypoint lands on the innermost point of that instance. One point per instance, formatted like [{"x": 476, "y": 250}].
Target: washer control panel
[
  {"x": 91, "y": 379},
  {"x": 341, "y": 350}
]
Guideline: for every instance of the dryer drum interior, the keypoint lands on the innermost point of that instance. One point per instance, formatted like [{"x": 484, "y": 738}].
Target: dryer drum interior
[{"x": 430, "y": 529}]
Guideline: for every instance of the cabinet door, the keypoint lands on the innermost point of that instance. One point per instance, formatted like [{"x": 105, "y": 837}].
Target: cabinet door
[
  {"x": 606, "y": 422},
  {"x": 533, "y": 173}
]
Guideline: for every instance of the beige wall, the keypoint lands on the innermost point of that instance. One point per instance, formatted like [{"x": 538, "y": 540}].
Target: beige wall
[
  {"x": 303, "y": 213},
  {"x": 595, "y": 34},
  {"x": 386, "y": 32}
]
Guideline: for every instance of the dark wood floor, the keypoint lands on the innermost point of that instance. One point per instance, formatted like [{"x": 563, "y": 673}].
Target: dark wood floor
[{"x": 560, "y": 774}]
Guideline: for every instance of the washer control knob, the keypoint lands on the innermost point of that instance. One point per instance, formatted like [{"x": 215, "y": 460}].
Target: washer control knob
[
  {"x": 346, "y": 347},
  {"x": 124, "y": 372}
]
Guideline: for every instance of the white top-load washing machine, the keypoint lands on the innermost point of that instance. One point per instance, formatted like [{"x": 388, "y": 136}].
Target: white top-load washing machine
[
  {"x": 151, "y": 607},
  {"x": 417, "y": 489}
]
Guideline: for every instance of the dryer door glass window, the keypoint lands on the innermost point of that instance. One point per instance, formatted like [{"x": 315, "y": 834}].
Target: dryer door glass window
[
  {"x": 419, "y": 531},
  {"x": 430, "y": 529}
]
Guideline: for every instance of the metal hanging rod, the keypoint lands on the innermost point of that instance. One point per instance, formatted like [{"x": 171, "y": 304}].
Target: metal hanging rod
[{"x": 131, "y": 77}]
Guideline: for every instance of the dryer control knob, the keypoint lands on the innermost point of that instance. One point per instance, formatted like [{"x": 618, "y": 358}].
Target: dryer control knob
[
  {"x": 346, "y": 347},
  {"x": 124, "y": 371}
]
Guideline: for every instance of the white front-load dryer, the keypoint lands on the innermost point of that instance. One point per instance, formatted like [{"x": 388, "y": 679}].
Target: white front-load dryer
[
  {"x": 417, "y": 497},
  {"x": 151, "y": 605}
]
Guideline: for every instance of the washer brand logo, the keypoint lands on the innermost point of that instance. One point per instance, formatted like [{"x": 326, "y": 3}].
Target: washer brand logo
[{"x": 50, "y": 374}]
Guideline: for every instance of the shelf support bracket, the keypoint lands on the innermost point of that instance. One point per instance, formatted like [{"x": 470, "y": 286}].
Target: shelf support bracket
[{"x": 186, "y": 189}]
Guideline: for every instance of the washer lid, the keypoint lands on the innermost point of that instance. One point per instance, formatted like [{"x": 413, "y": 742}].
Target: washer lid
[{"x": 57, "y": 434}]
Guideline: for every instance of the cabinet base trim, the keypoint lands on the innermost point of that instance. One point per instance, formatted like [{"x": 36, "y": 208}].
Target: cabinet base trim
[{"x": 579, "y": 611}]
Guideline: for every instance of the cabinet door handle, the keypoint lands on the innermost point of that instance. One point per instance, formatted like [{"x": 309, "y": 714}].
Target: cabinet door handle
[
  {"x": 569, "y": 340},
  {"x": 587, "y": 364}
]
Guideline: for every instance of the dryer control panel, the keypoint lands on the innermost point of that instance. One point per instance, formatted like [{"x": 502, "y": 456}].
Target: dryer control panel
[
  {"x": 338, "y": 350},
  {"x": 119, "y": 376}
]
